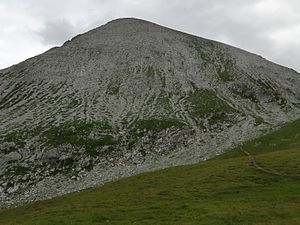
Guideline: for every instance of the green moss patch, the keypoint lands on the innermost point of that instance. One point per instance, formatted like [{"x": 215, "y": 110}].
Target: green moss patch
[
  {"x": 204, "y": 103},
  {"x": 17, "y": 137},
  {"x": 158, "y": 124},
  {"x": 225, "y": 75},
  {"x": 154, "y": 125},
  {"x": 79, "y": 134}
]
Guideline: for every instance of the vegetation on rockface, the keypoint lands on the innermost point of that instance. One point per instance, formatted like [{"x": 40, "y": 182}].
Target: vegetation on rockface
[
  {"x": 162, "y": 76},
  {"x": 251, "y": 92},
  {"x": 206, "y": 54},
  {"x": 150, "y": 72},
  {"x": 16, "y": 137},
  {"x": 205, "y": 103},
  {"x": 157, "y": 125},
  {"x": 244, "y": 91},
  {"x": 73, "y": 103},
  {"x": 147, "y": 70},
  {"x": 89, "y": 135},
  {"x": 259, "y": 121},
  {"x": 268, "y": 87},
  {"x": 163, "y": 101},
  {"x": 151, "y": 126},
  {"x": 20, "y": 170},
  {"x": 225, "y": 75},
  {"x": 226, "y": 68},
  {"x": 224, "y": 190},
  {"x": 113, "y": 88},
  {"x": 203, "y": 49}
]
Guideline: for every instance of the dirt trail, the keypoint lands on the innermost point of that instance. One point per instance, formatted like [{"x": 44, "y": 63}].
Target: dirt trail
[{"x": 251, "y": 161}]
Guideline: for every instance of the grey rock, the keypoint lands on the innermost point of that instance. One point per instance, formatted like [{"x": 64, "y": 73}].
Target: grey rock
[
  {"x": 13, "y": 189},
  {"x": 51, "y": 154},
  {"x": 12, "y": 156},
  {"x": 65, "y": 157}
]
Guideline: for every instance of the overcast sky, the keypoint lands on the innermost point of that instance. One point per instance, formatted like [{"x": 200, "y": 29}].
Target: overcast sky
[{"x": 270, "y": 28}]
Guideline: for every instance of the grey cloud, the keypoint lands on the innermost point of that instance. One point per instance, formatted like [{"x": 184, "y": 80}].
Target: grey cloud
[{"x": 56, "y": 32}]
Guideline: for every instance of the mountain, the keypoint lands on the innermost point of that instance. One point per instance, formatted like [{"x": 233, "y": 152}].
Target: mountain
[
  {"x": 128, "y": 97},
  {"x": 258, "y": 185}
]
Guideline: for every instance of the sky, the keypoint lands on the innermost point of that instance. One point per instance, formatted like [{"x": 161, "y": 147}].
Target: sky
[{"x": 270, "y": 28}]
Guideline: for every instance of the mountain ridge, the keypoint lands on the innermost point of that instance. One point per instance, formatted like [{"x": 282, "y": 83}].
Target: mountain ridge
[{"x": 121, "y": 20}]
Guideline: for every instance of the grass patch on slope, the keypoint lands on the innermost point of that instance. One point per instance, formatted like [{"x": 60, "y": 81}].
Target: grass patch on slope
[
  {"x": 225, "y": 75},
  {"x": 153, "y": 125},
  {"x": 157, "y": 125},
  {"x": 16, "y": 137},
  {"x": 287, "y": 137},
  {"x": 225, "y": 190},
  {"x": 78, "y": 133},
  {"x": 205, "y": 103}
]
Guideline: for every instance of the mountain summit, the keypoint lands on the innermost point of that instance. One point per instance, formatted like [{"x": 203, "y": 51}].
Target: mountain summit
[{"x": 127, "y": 97}]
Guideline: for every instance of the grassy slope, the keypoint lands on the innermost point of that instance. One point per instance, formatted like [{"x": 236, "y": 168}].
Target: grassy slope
[{"x": 225, "y": 190}]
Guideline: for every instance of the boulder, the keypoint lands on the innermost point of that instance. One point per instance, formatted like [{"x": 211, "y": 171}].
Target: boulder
[{"x": 12, "y": 156}]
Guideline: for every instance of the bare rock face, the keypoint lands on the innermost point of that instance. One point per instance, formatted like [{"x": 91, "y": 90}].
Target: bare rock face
[
  {"x": 12, "y": 156},
  {"x": 127, "y": 97}
]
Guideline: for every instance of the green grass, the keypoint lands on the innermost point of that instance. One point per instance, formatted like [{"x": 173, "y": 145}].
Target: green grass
[
  {"x": 245, "y": 92},
  {"x": 78, "y": 133},
  {"x": 75, "y": 133},
  {"x": 163, "y": 101},
  {"x": 259, "y": 121},
  {"x": 149, "y": 71},
  {"x": 225, "y": 75},
  {"x": 205, "y": 103},
  {"x": 224, "y": 190},
  {"x": 17, "y": 137},
  {"x": 286, "y": 138},
  {"x": 275, "y": 94},
  {"x": 113, "y": 89},
  {"x": 155, "y": 124},
  {"x": 203, "y": 50}
]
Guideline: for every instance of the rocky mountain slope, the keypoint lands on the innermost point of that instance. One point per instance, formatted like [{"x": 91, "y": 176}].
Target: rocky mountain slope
[
  {"x": 127, "y": 97},
  {"x": 236, "y": 187}
]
